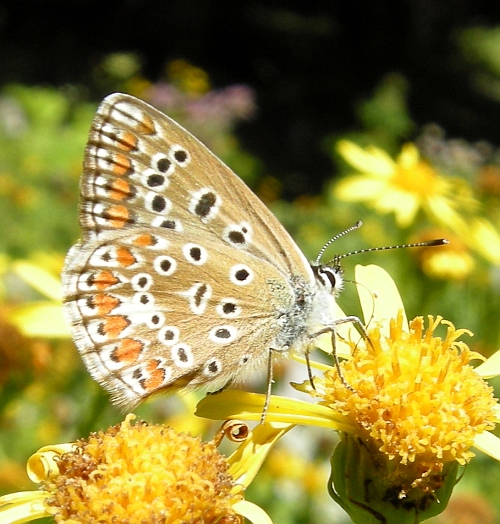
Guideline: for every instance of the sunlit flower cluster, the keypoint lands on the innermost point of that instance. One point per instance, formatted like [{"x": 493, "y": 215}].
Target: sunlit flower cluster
[{"x": 409, "y": 185}]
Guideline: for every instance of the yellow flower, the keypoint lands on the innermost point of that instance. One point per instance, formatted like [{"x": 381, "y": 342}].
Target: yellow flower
[
  {"x": 415, "y": 394},
  {"x": 408, "y": 407},
  {"x": 188, "y": 78},
  {"x": 141, "y": 473},
  {"x": 452, "y": 261},
  {"x": 403, "y": 186}
]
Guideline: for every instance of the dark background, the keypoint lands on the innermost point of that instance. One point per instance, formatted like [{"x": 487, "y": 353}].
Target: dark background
[{"x": 310, "y": 63}]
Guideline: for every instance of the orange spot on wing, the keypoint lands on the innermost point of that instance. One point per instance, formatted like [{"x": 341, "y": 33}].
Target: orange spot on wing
[
  {"x": 118, "y": 216},
  {"x": 120, "y": 189},
  {"x": 105, "y": 303},
  {"x": 128, "y": 351},
  {"x": 144, "y": 240},
  {"x": 113, "y": 326},
  {"x": 128, "y": 141},
  {"x": 121, "y": 164},
  {"x": 147, "y": 126},
  {"x": 156, "y": 376},
  {"x": 125, "y": 257},
  {"x": 104, "y": 280}
]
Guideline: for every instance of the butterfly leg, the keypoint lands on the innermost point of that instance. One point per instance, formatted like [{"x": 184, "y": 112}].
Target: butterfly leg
[
  {"x": 309, "y": 371},
  {"x": 332, "y": 329},
  {"x": 269, "y": 386}
]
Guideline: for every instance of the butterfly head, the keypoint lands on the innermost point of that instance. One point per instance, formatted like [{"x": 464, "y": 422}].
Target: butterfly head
[{"x": 329, "y": 276}]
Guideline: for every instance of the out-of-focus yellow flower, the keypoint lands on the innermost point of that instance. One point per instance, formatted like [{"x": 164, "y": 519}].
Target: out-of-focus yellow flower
[
  {"x": 141, "y": 473},
  {"x": 408, "y": 406},
  {"x": 484, "y": 239},
  {"x": 188, "y": 78},
  {"x": 41, "y": 318},
  {"x": 403, "y": 186},
  {"x": 452, "y": 261}
]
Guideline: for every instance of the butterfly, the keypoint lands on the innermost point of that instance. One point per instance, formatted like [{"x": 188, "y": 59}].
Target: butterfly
[{"x": 183, "y": 278}]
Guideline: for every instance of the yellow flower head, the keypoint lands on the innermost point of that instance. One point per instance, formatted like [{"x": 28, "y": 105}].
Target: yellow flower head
[
  {"x": 134, "y": 473},
  {"x": 414, "y": 394},
  {"x": 403, "y": 186},
  {"x": 150, "y": 473}
]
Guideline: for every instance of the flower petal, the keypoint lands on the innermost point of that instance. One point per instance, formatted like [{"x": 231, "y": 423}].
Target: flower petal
[
  {"x": 409, "y": 156},
  {"x": 404, "y": 205},
  {"x": 40, "y": 319},
  {"x": 489, "y": 444},
  {"x": 343, "y": 334},
  {"x": 357, "y": 188},
  {"x": 491, "y": 367},
  {"x": 379, "y": 297},
  {"x": 252, "y": 512},
  {"x": 247, "y": 460},
  {"x": 17, "y": 508},
  {"x": 233, "y": 404},
  {"x": 486, "y": 239},
  {"x": 372, "y": 160},
  {"x": 40, "y": 279},
  {"x": 43, "y": 464}
]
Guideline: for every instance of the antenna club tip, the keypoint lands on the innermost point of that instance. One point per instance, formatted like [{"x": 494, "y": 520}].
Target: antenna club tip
[
  {"x": 439, "y": 242},
  {"x": 358, "y": 224}
]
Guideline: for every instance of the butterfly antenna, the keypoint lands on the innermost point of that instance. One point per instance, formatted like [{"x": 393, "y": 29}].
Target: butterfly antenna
[
  {"x": 429, "y": 243},
  {"x": 357, "y": 225}
]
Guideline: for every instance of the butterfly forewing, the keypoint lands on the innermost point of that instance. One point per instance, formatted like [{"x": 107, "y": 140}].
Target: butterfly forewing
[
  {"x": 141, "y": 167},
  {"x": 182, "y": 273}
]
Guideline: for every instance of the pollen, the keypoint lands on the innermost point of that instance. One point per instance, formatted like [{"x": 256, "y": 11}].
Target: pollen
[
  {"x": 415, "y": 395},
  {"x": 142, "y": 473}
]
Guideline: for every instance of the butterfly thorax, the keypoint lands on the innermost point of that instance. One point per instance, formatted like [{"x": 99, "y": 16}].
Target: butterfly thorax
[{"x": 311, "y": 310}]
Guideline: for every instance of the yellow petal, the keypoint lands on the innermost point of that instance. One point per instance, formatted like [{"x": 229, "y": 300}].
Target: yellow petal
[
  {"x": 234, "y": 404},
  {"x": 40, "y": 279},
  {"x": 40, "y": 319},
  {"x": 372, "y": 160},
  {"x": 486, "y": 239},
  {"x": 43, "y": 464},
  {"x": 343, "y": 334},
  {"x": 252, "y": 512},
  {"x": 379, "y": 297},
  {"x": 358, "y": 188},
  {"x": 26, "y": 506},
  {"x": 489, "y": 444},
  {"x": 491, "y": 367},
  {"x": 443, "y": 213},
  {"x": 408, "y": 157},
  {"x": 247, "y": 460},
  {"x": 404, "y": 205}
]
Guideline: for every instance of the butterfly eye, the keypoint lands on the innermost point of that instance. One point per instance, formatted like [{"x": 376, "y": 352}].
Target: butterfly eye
[{"x": 330, "y": 277}]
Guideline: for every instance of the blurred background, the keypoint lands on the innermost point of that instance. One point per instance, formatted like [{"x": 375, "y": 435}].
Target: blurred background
[{"x": 332, "y": 112}]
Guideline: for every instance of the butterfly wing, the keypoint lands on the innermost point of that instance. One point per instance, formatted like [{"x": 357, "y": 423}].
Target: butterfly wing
[
  {"x": 182, "y": 273},
  {"x": 142, "y": 168}
]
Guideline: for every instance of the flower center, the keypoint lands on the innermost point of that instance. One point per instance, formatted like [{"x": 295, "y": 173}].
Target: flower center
[
  {"x": 419, "y": 179},
  {"x": 415, "y": 395}
]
